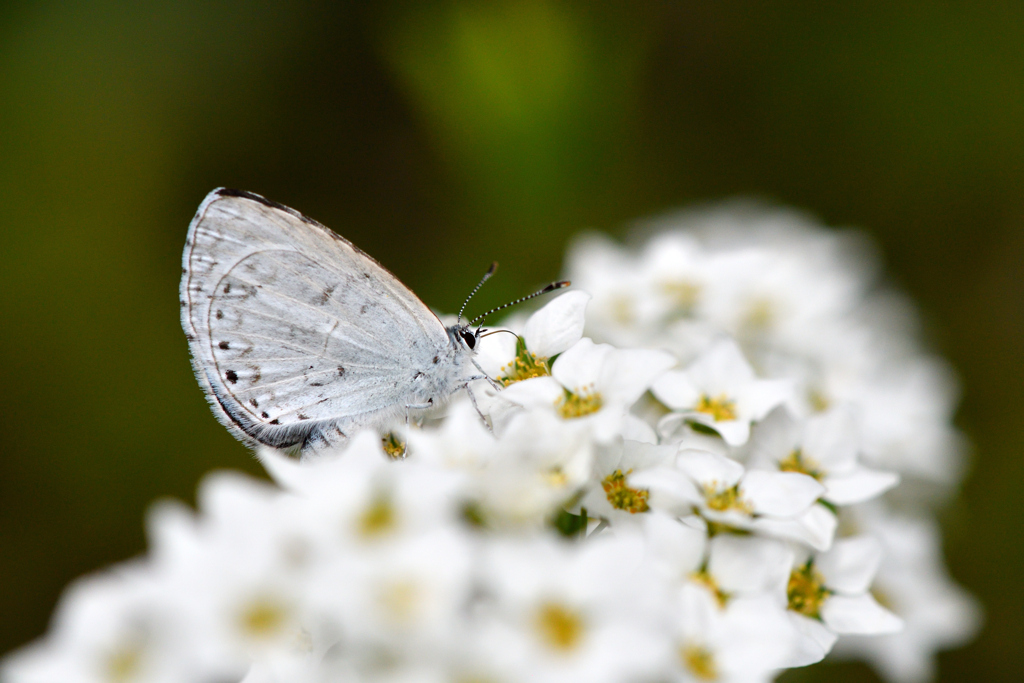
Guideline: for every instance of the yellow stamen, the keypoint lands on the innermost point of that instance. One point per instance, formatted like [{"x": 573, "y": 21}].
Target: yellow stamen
[
  {"x": 720, "y": 408},
  {"x": 760, "y": 315},
  {"x": 579, "y": 403},
  {"x": 818, "y": 400},
  {"x": 378, "y": 518},
  {"x": 621, "y": 496},
  {"x": 705, "y": 579},
  {"x": 700, "y": 662},
  {"x": 394, "y": 447},
  {"x": 400, "y": 600},
  {"x": 125, "y": 663},
  {"x": 806, "y": 591},
  {"x": 560, "y": 627},
  {"x": 796, "y": 462},
  {"x": 683, "y": 294},
  {"x": 726, "y": 499},
  {"x": 525, "y": 365},
  {"x": 263, "y": 617}
]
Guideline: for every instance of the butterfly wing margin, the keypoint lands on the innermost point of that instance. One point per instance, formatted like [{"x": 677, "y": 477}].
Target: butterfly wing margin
[{"x": 293, "y": 330}]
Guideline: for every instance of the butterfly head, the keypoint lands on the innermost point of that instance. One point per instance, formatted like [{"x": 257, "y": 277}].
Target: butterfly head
[{"x": 462, "y": 335}]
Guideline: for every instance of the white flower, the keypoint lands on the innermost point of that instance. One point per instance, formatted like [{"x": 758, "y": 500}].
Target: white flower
[
  {"x": 539, "y": 463},
  {"x": 551, "y": 330},
  {"x": 610, "y": 497},
  {"x": 911, "y": 582},
  {"x": 825, "y": 447},
  {"x": 595, "y": 382},
  {"x": 565, "y": 612},
  {"x": 747, "y": 639},
  {"x": 719, "y": 390},
  {"x": 778, "y": 503},
  {"x": 108, "y": 628},
  {"x": 828, "y": 595}
]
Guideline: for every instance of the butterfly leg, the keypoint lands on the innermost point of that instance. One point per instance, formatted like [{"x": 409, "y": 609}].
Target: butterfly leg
[
  {"x": 472, "y": 399},
  {"x": 483, "y": 375}
]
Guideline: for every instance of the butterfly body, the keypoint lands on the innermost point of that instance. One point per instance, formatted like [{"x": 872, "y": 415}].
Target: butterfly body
[{"x": 298, "y": 337}]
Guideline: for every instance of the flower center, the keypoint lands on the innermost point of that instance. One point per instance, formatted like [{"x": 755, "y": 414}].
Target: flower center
[
  {"x": 378, "y": 518},
  {"x": 796, "y": 462},
  {"x": 125, "y": 663},
  {"x": 806, "y": 591},
  {"x": 394, "y": 447},
  {"x": 559, "y": 626},
  {"x": 760, "y": 315},
  {"x": 719, "y": 408},
  {"x": 263, "y": 617},
  {"x": 684, "y": 295},
  {"x": 699, "y": 661},
  {"x": 524, "y": 366},
  {"x": 622, "y": 309},
  {"x": 621, "y": 496},
  {"x": 400, "y": 600},
  {"x": 579, "y": 403},
  {"x": 726, "y": 499},
  {"x": 818, "y": 400}
]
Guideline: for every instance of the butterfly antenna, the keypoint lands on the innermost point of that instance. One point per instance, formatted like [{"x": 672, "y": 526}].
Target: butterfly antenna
[
  {"x": 550, "y": 288},
  {"x": 485, "y": 278}
]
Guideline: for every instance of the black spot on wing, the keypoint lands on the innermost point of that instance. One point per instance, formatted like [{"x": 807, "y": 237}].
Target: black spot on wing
[
  {"x": 264, "y": 415},
  {"x": 254, "y": 402},
  {"x": 341, "y": 371},
  {"x": 224, "y": 345},
  {"x": 323, "y": 297},
  {"x": 231, "y": 376},
  {"x": 436, "y": 359},
  {"x": 219, "y": 314}
]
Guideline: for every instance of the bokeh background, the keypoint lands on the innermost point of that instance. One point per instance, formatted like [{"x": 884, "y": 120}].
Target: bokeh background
[{"x": 439, "y": 136}]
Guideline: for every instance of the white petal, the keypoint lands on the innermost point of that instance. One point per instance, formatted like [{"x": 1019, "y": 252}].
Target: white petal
[
  {"x": 774, "y": 438},
  {"x": 711, "y": 469},
  {"x": 756, "y": 399},
  {"x": 780, "y": 494},
  {"x": 678, "y": 548},
  {"x": 669, "y": 487},
  {"x": 556, "y": 326},
  {"x": 628, "y": 373},
  {"x": 859, "y": 614},
  {"x": 720, "y": 369},
  {"x": 749, "y": 564},
  {"x": 816, "y": 527},
  {"x": 858, "y": 486},
  {"x": 495, "y": 351},
  {"x": 534, "y": 392},
  {"x": 635, "y": 429},
  {"x": 675, "y": 390},
  {"x": 734, "y": 432},
  {"x": 850, "y": 565},
  {"x": 815, "y": 642},
  {"x": 833, "y": 440},
  {"x": 580, "y": 366}
]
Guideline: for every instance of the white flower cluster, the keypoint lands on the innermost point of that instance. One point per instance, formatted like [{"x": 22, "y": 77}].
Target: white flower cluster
[{"x": 714, "y": 495}]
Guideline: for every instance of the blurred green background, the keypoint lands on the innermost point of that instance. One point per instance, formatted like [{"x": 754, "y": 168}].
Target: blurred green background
[{"x": 439, "y": 136}]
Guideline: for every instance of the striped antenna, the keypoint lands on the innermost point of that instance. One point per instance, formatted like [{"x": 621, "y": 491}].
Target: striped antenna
[
  {"x": 485, "y": 278},
  {"x": 550, "y": 288}
]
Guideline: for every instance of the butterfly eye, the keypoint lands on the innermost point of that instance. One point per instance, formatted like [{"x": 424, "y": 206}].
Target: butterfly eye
[{"x": 469, "y": 338}]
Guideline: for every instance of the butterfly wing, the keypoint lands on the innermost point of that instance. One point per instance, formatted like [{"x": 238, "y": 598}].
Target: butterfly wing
[{"x": 294, "y": 331}]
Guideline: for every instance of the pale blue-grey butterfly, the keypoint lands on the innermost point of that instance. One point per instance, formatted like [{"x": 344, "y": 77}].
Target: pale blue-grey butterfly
[{"x": 300, "y": 339}]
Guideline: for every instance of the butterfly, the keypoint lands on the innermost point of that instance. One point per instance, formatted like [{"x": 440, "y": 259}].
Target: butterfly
[{"x": 300, "y": 339}]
